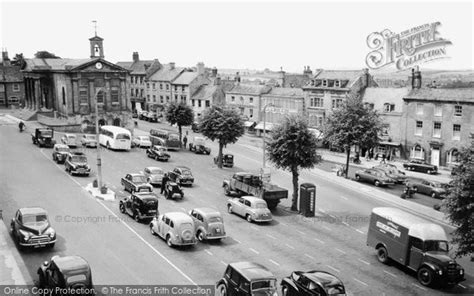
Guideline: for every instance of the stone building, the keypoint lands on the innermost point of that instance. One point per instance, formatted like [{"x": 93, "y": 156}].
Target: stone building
[
  {"x": 247, "y": 99},
  {"x": 72, "y": 87},
  {"x": 12, "y": 89},
  {"x": 208, "y": 95},
  {"x": 159, "y": 90},
  {"x": 186, "y": 84}
]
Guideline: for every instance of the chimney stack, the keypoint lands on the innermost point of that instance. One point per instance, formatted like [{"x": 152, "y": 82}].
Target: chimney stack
[
  {"x": 200, "y": 68},
  {"x": 135, "y": 57},
  {"x": 217, "y": 81},
  {"x": 237, "y": 77},
  {"x": 415, "y": 78},
  {"x": 307, "y": 71},
  {"x": 172, "y": 64},
  {"x": 366, "y": 77},
  {"x": 5, "y": 59},
  {"x": 214, "y": 72}
]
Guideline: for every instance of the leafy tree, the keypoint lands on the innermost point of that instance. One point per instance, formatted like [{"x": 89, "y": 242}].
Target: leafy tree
[
  {"x": 179, "y": 114},
  {"x": 43, "y": 54},
  {"x": 293, "y": 147},
  {"x": 353, "y": 124},
  {"x": 460, "y": 203},
  {"x": 222, "y": 124},
  {"x": 19, "y": 60}
]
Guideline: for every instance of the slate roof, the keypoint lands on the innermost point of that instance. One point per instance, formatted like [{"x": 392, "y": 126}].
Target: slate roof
[
  {"x": 285, "y": 92},
  {"x": 166, "y": 73},
  {"x": 205, "y": 92},
  {"x": 442, "y": 94},
  {"x": 137, "y": 67},
  {"x": 295, "y": 80},
  {"x": 249, "y": 89},
  {"x": 54, "y": 64},
  {"x": 385, "y": 93},
  {"x": 185, "y": 78},
  {"x": 11, "y": 74},
  {"x": 350, "y": 76}
]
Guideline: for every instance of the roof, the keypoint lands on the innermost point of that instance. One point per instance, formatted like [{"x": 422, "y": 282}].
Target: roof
[
  {"x": 179, "y": 216},
  {"x": 252, "y": 271},
  {"x": 268, "y": 126},
  {"x": 166, "y": 73},
  {"x": 54, "y": 64},
  {"x": 183, "y": 167},
  {"x": 61, "y": 146},
  {"x": 205, "y": 92},
  {"x": 136, "y": 174},
  {"x": 70, "y": 263},
  {"x": 185, "y": 78},
  {"x": 285, "y": 92},
  {"x": 11, "y": 74},
  {"x": 295, "y": 80},
  {"x": 114, "y": 128},
  {"x": 252, "y": 198},
  {"x": 349, "y": 75},
  {"x": 416, "y": 226},
  {"x": 136, "y": 68},
  {"x": 154, "y": 167},
  {"x": 249, "y": 89},
  {"x": 442, "y": 94},
  {"x": 146, "y": 195},
  {"x": 386, "y": 94},
  {"x": 208, "y": 211},
  {"x": 325, "y": 278},
  {"x": 32, "y": 211}
]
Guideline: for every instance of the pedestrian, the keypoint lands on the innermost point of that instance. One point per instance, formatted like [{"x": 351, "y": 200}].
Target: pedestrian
[
  {"x": 163, "y": 183},
  {"x": 383, "y": 158},
  {"x": 185, "y": 140}
]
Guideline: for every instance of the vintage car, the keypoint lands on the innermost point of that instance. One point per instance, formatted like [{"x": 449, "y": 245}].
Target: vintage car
[
  {"x": 89, "y": 141},
  {"x": 133, "y": 182},
  {"x": 420, "y": 166},
  {"x": 140, "y": 205},
  {"x": 177, "y": 228},
  {"x": 154, "y": 175},
  {"x": 431, "y": 188},
  {"x": 173, "y": 190},
  {"x": 60, "y": 153},
  {"x": 141, "y": 142},
  {"x": 43, "y": 137},
  {"x": 158, "y": 153},
  {"x": 70, "y": 140},
  {"x": 254, "y": 209},
  {"x": 227, "y": 160},
  {"x": 247, "y": 279},
  {"x": 375, "y": 176},
  {"x": 181, "y": 175},
  {"x": 195, "y": 127},
  {"x": 208, "y": 224},
  {"x": 31, "y": 228},
  {"x": 392, "y": 172},
  {"x": 312, "y": 283},
  {"x": 151, "y": 116},
  {"x": 71, "y": 273},
  {"x": 198, "y": 146},
  {"x": 76, "y": 163},
  {"x": 143, "y": 115}
]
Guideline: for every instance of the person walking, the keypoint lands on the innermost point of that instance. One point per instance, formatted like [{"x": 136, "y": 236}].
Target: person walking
[
  {"x": 164, "y": 181},
  {"x": 185, "y": 140}
]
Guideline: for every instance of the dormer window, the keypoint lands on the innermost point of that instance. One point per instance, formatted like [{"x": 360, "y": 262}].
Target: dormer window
[
  {"x": 325, "y": 83},
  {"x": 337, "y": 83},
  {"x": 387, "y": 107}
]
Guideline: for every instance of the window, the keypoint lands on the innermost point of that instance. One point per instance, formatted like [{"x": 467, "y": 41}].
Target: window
[
  {"x": 16, "y": 87},
  {"x": 83, "y": 96},
  {"x": 250, "y": 113},
  {"x": 167, "y": 86},
  {"x": 437, "y": 130},
  {"x": 147, "y": 98},
  {"x": 167, "y": 99},
  {"x": 251, "y": 101},
  {"x": 193, "y": 103},
  {"x": 232, "y": 99},
  {"x": 199, "y": 103},
  {"x": 419, "y": 108},
  {"x": 131, "y": 92},
  {"x": 64, "y": 96},
  {"x": 316, "y": 102},
  {"x": 241, "y": 100},
  {"x": 453, "y": 157},
  {"x": 456, "y": 132},
  {"x": 183, "y": 88},
  {"x": 141, "y": 80},
  {"x": 337, "y": 83},
  {"x": 100, "y": 97},
  {"x": 336, "y": 103},
  {"x": 419, "y": 128},
  {"x": 2, "y": 88},
  {"x": 325, "y": 82},
  {"x": 13, "y": 100},
  {"x": 148, "y": 85},
  {"x": 457, "y": 110},
  {"x": 154, "y": 85},
  {"x": 417, "y": 243},
  {"x": 438, "y": 110},
  {"x": 176, "y": 98},
  {"x": 417, "y": 152},
  {"x": 114, "y": 95},
  {"x": 242, "y": 110},
  {"x": 162, "y": 100},
  {"x": 387, "y": 107},
  {"x": 183, "y": 99},
  {"x": 161, "y": 85},
  {"x": 208, "y": 103},
  {"x": 154, "y": 99}
]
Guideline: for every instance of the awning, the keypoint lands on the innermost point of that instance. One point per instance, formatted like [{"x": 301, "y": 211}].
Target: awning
[
  {"x": 249, "y": 123},
  {"x": 268, "y": 126},
  {"x": 317, "y": 133},
  {"x": 395, "y": 144}
]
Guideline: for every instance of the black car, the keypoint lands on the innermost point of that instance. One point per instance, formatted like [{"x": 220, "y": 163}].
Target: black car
[
  {"x": 420, "y": 166},
  {"x": 31, "y": 228},
  {"x": 140, "y": 205},
  {"x": 158, "y": 153},
  {"x": 76, "y": 163},
  {"x": 67, "y": 273},
  {"x": 198, "y": 146},
  {"x": 312, "y": 283},
  {"x": 181, "y": 175},
  {"x": 227, "y": 160},
  {"x": 60, "y": 153},
  {"x": 172, "y": 190}
]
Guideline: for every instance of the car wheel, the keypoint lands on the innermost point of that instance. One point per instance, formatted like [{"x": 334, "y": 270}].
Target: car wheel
[
  {"x": 382, "y": 255},
  {"x": 357, "y": 177},
  {"x": 151, "y": 230},
  {"x": 200, "y": 236},
  {"x": 222, "y": 290},
  {"x": 248, "y": 218},
  {"x": 168, "y": 241},
  {"x": 51, "y": 246},
  {"x": 377, "y": 183},
  {"x": 136, "y": 217},
  {"x": 428, "y": 172},
  {"x": 226, "y": 190},
  {"x": 122, "y": 208},
  {"x": 284, "y": 290},
  {"x": 229, "y": 209},
  {"x": 425, "y": 276}
]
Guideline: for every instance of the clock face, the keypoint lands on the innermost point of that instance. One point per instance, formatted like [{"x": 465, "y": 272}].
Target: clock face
[{"x": 98, "y": 65}]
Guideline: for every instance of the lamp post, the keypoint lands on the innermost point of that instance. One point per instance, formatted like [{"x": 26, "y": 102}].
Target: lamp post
[
  {"x": 264, "y": 132},
  {"x": 99, "y": 161}
]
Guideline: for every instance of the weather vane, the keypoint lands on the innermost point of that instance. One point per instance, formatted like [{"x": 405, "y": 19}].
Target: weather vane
[{"x": 95, "y": 27}]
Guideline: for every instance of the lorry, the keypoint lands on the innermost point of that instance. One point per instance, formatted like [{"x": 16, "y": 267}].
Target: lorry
[
  {"x": 415, "y": 243},
  {"x": 43, "y": 137},
  {"x": 245, "y": 183}
]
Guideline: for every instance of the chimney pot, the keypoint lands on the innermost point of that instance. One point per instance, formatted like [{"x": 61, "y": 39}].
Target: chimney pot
[
  {"x": 172, "y": 65},
  {"x": 135, "y": 56}
]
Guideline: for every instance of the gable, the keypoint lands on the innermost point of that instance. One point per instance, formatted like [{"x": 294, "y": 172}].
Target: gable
[{"x": 91, "y": 67}]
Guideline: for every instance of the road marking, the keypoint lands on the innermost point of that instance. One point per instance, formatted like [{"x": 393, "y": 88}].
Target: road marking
[
  {"x": 271, "y": 236},
  {"x": 284, "y": 224},
  {"x": 322, "y": 211},
  {"x": 418, "y": 286},
  {"x": 335, "y": 269},
  {"x": 309, "y": 256},
  {"x": 223, "y": 263},
  {"x": 461, "y": 286},
  {"x": 359, "y": 231},
  {"x": 387, "y": 272},
  {"x": 341, "y": 251},
  {"x": 365, "y": 262},
  {"x": 183, "y": 209},
  {"x": 290, "y": 246},
  {"x": 347, "y": 224},
  {"x": 148, "y": 244},
  {"x": 239, "y": 242},
  {"x": 208, "y": 252},
  {"x": 273, "y": 262},
  {"x": 301, "y": 232},
  {"x": 318, "y": 240},
  {"x": 332, "y": 216},
  {"x": 360, "y": 282},
  {"x": 254, "y": 228},
  {"x": 253, "y": 250}
]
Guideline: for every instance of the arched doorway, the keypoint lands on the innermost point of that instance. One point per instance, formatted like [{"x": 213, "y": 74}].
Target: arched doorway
[
  {"x": 116, "y": 121},
  {"x": 101, "y": 122},
  {"x": 453, "y": 157},
  {"x": 417, "y": 152}
]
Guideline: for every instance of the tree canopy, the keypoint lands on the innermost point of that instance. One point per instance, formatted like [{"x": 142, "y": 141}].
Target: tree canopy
[
  {"x": 179, "y": 114},
  {"x": 19, "y": 60},
  {"x": 43, "y": 54}
]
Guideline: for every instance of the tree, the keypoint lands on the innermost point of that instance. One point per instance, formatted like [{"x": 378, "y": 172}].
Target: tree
[
  {"x": 43, "y": 54},
  {"x": 460, "y": 203},
  {"x": 353, "y": 124},
  {"x": 293, "y": 147},
  {"x": 180, "y": 114},
  {"x": 19, "y": 60},
  {"x": 222, "y": 124}
]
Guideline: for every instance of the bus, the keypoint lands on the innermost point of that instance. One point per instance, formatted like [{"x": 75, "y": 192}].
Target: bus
[
  {"x": 114, "y": 137},
  {"x": 169, "y": 139}
]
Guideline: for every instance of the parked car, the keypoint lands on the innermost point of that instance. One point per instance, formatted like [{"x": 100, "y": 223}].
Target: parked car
[
  {"x": 392, "y": 172},
  {"x": 31, "y": 228},
  {"x": 152, "y": 117},
  {"x": 70, "y": 140},
  {"x": 141, "y": 142},
  {"x": 247, "y": 279},
  {"x": 195, "y": 127},
  {"x": 76, "y": 163},
  {"x": 43, "y": 137},
  {"x": 420, "y": 166},
  {"x": 154, "y": 175},
  {"x": 158, "y": 153},
  {"x": 142, "y": 115},
  {"x": 177, "y": 228},
  {"x": 375, "y": 176},
  {"x": 134, "y": 182},
  {"x": 140, "y": 205},
  {"x": 431, "y": 188},
  {"x": 89, "y": 141},
  {"x": 173, "y": 190},
  {"x": 254, "y": 209},
  {"x": 60, "y": 153},
  {"x": 198, "y": 146},
  {"x": 208, "y": 224},
  {"x": 227, "y": 160},
  {"x": 67, "y": 272},
  {"x": 312, "y": 283},
  {"x": 181, "y": 175}
]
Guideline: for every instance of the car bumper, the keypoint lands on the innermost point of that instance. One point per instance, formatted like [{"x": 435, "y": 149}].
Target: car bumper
[
  {"x": 211, "y": 236},
  {"x": 163, "y": 157},
  {"x": 184, "y": 243},
  {"x": 186, "y": 182},
  {"x": 265, "y": 219},
  {"x": 156, "y": 182},
  {"x": 81, "y": 171},
  {"x": 37, "y": 244}
]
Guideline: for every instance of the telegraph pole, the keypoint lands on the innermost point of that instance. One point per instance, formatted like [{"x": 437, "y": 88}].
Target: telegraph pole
[{"x": 99, "y": 160}]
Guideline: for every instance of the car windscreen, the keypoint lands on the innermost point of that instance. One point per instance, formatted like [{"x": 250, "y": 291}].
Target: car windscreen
[
  {"x": 79, "y": 158},
  {"x": 122, "y": 137},
  {"x": 90, "y": 137},
  {"x": 156, "y": 171},
  {"x": 144, "y": 138},
  {"x": 215, "y": 219},
  {"x": 438, "y": 185},
  {"x": 161, "y": 149},
  {"x": 139, "y": 179},
  {"x": 71, "y": 137},
  {"x": 260, "y": 205},
  {"x": 173, "y": 137},
  {"x": 187, "y": 173},
  {"x": 34, "y": 220},
  {"x": 47, "y": 133},
  {"x": 436, "y": 246},
  {"x": 263, "y": 284},
  {"x": 63, "y": 149}
]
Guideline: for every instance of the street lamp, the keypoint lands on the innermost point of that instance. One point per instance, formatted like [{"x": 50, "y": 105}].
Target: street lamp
[
  {"x": 99, "y": 161},
  {"x": 264, "y": 132}
]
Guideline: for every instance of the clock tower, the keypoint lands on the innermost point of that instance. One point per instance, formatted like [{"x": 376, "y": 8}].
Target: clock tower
[{"x": 97, "y": 47}]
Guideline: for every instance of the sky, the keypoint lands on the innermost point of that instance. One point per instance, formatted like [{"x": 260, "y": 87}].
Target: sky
[{"x": 237, "y": 35}]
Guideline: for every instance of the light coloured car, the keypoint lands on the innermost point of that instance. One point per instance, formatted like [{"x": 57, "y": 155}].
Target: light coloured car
[
  {"x": 208, "y": 223},
  {"x": 374, "y": 176},
  {"x": 141, "y": 141},
  {"x": 70, "y": 140},
  {"x": 89, "y": 141},
  {"x": 431, "y": 188},
  {"x": 154, "y": 175},
  {"x": 254, "y": 209},
  {"x": 177, "y": 228}
]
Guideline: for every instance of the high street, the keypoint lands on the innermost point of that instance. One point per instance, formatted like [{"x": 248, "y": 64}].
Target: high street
[{"x": 124, "y": 251}]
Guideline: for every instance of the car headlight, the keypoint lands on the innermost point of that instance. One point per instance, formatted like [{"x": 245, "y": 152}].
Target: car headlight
[
  {"x": 50, "y": 232},
  {"x": 461, "y": 272},
  {"x": 26, "y": 234},
  {"x": 440, "y": 272},
  {"x": 275, "y": 293}
]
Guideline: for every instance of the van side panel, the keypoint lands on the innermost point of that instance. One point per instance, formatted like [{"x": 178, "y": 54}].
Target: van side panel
[{"x": 392, "y": 235}]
